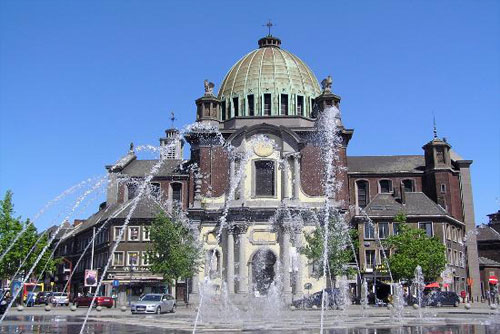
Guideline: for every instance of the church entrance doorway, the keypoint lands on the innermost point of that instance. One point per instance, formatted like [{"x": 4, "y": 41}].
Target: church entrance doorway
[{"x": 263, "y": 270}]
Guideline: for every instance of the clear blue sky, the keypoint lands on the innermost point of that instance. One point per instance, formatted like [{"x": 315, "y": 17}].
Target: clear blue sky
[{"x": 80, "y": 80}]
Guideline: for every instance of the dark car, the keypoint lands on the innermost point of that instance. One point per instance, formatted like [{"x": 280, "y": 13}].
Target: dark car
[
  {"x": 441, "y": 298},
  {"x": 4, "y": 301},
  {"x": 333, "y": 299},
  {"x": 99, "y": 301},
  {"x": 43, "y": 298}
]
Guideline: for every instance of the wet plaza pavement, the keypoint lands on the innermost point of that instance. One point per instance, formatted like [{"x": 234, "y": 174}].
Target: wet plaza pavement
[{"x": 354, "y": 321}]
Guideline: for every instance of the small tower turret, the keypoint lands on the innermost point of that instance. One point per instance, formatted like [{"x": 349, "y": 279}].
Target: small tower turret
[{"x": 207, "y": 106}]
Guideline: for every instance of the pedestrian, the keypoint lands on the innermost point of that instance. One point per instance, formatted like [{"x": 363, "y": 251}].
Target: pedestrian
[{"x": 463, "y": 294}]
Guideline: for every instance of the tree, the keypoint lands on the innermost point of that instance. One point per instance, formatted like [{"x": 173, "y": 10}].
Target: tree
[
  {"x": 340, "y": 252},
  {"x": 412, "y": 247},
  {"x": 174, "y": 252},
  {"x": 26, "y": 249}
]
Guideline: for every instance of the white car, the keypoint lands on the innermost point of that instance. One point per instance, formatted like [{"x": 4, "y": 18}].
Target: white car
[
  {"x": 59, "y": 298},
  {"x": 154, "y": 303}
]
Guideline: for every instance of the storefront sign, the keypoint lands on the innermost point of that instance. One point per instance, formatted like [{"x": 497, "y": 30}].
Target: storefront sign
[{"x": 90, "y": 278}]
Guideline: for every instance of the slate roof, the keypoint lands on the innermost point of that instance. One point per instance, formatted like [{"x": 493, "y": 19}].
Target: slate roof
[
  {"x": 140, "y": 168},
  {"x": 487, "y": 233},
  {"x": 417, "y": 203},
  {"x": 488, "y": 262},
  {"x": 386, "y": 164},
  {"x": 146, "y": 208}
]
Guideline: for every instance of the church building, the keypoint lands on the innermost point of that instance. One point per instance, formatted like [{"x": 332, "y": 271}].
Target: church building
[{"x": 266, "y": 112}]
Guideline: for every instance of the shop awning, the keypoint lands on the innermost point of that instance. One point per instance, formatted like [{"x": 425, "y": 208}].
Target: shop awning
[{"x": 433, "y": 285}]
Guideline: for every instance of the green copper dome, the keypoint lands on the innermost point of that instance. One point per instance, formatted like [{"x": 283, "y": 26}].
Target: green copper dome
[{"x": 268, "y": 81}]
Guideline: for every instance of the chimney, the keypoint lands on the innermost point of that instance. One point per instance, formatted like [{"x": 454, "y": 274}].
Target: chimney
[
  {"x": 77, "y": 222},
  {"x": 403, "y": 193}
]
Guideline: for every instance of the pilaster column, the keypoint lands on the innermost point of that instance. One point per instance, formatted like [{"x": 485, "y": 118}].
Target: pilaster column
[
  {"x": 298, "y": 277},
  {"x": 285, "y": 260},
  {"x": 284, "y": 180},
  {"x": 230, "y": 261},
  {"x": 242, "y": 267},
  {"x": 296, "y": 176},
  {"x": 196, "y": 282}
]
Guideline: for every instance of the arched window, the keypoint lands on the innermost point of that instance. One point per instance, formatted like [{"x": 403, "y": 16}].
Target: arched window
[
  {"x": 176, "y": 192},
  {"x": 385, "y": 186},
  {"x": 264, "y": 178},
  {"x": 363, "y": 193}
]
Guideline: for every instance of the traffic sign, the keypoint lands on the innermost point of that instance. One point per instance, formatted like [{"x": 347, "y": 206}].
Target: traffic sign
[{"x": 116, "y": 283}]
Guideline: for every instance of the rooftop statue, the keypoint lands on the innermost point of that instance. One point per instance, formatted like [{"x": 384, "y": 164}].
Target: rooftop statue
[
  {"x": 326, "y": 84},
  {"x": 209, "y": 87}
]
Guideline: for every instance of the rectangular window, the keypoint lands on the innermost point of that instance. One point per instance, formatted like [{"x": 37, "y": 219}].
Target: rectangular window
[
  {"x": 395, "y": 228},
  {"x": 461, "y": 259},
  {"x": 300, "y": 105},
  {"x": 381, "y": 257},
  {"x": 427, "y": 227},
  {"x": 369, "y": 231},
  {"x": 267, "y": 104},
  {"x": 440, "y": 154},
  {"x": 264, "y": 178},
  {"x": 385, "y": 186},
  {"x": 454, "y": 234},
  {"x": 456, "y": 262},
  {"x": 117, "y": 232},
  {"x": 118, "y": 259},
  {"x": 408, "y": 186},
  {"x": 236, "y": 106},
  {"x": 132, "y": 190},
  {"x": 443, "y": 188},
  {"x": 284, "y": 104},
  {"x": 133, "y": 233},
  {"x": 383, "y": 230},
  {"x": 145, "y": 233},
  {"x": 155, "y": 190},
  {"x": 370, "y": 258},
  {"x": 145, "y": 259},
  {"x": 223, "y": 110},
  {"x": 176, "y": 192},
  {"x": 251, "y": 105},
  {"x": 133, "y": 259},
  {"x": 448, "y": 232}
]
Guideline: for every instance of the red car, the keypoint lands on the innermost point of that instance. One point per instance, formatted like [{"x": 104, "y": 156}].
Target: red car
[{"x": 99, "y": 301}]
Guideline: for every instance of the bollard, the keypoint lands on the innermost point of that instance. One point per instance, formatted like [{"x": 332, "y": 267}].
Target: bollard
[
  {"x": 467, "y": 306},
  {"x": 20, "y": 308},
  {"x": 72, "y": 308},
  {"x": 416, "y": 307},
  {"x": 292, "y": 308},
  {"x": 123, "y": 308},
  {"x": 98, "y": 308},
  {"x": 48, "y": 308}
]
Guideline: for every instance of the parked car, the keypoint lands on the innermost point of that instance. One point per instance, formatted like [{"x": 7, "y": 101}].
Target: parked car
[
  {"x": 154, "y": 303},
  {"x": 333, "y": 299},
  {"x": 4, "y": 301},
  {"x": 99, "y": 301},
  {"x": 59, "y": 298},
  {"x": 441, "y": 298},
  {"x": 43, "y": 298}
]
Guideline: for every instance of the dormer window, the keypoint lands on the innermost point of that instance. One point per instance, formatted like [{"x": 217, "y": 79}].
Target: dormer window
[
  {"x": 267, "y": 104},
  {"x": 264, "y": 178},
  {"x": 236, "y": 106},
  {"x": 284, "y": 104},
  {"x": 251, "y": 105},
  {"x": 300, "y": 105},
  {"x": 223, "y": 110},
  {"x": 176, "y": 192},
  {"x": 385, "y": 186}
]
